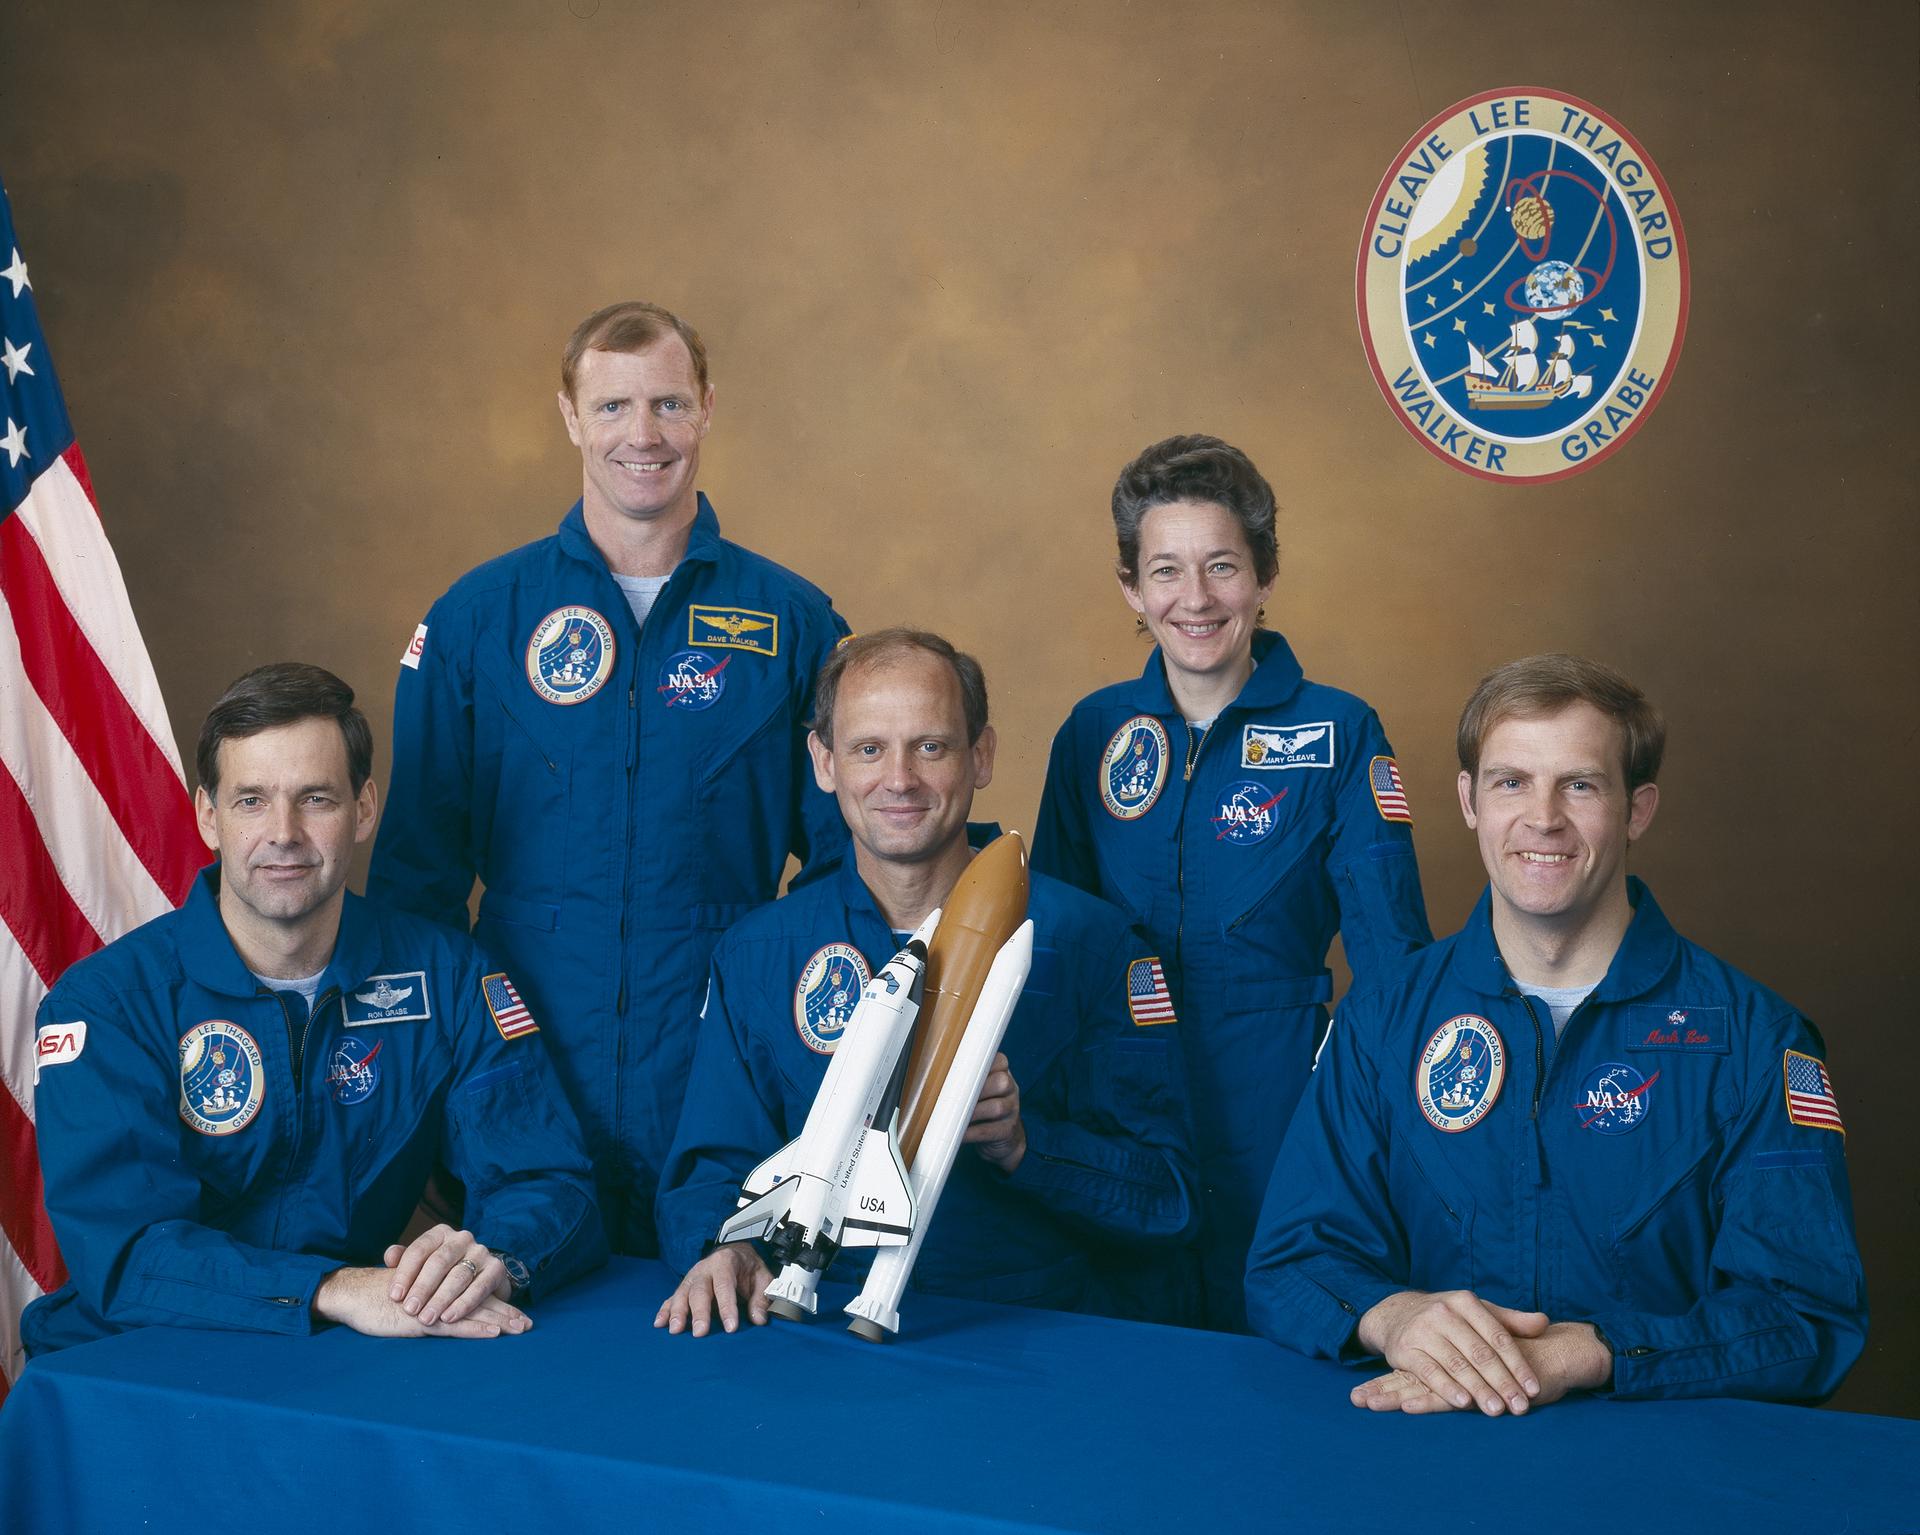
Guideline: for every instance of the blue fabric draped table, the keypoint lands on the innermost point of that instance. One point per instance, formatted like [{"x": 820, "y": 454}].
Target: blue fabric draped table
[{"x": 978, "y": 1418}]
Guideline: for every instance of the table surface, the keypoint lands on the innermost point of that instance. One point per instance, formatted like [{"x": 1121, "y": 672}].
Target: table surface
[{"x": 977, "y": 1418}]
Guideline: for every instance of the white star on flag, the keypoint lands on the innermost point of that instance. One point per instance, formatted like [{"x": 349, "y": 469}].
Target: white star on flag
[
  {"x": 17, "y": 273},
  {"x": 15, "y": 359},
  {"x": 15, "y": 442}
]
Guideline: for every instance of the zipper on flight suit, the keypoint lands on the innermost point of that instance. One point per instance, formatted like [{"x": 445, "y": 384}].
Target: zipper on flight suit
[
  {"x": 1194, "y": 747},
  {"x": 1180, "y": 835},
  {"x": 1539, "y": 1054},
  {"x": 325, "y": 999},
  {"x": 661, "y": 599}
]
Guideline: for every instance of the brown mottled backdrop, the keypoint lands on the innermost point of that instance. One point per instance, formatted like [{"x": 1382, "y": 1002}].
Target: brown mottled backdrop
[{"x": 306, "y": 269}]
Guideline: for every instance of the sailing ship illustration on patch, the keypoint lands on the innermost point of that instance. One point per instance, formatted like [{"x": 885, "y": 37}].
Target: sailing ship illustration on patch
[{"x": 1522, "y": 285}]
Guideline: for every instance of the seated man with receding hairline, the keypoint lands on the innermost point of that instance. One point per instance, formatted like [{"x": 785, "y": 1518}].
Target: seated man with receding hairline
[{"x": 1079, "y": 1147}]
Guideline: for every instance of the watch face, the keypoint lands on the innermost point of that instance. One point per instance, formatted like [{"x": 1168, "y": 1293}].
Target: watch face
[{"x": 516, "y": 1270}]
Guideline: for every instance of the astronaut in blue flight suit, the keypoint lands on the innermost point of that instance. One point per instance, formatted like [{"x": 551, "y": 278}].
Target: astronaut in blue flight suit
[
  {"x": 607, "y": 728},
  {"x": 1079, "y": 1141},
  {"x": 1240, "y": 815},
  {"x": 239, "y": 1102},
  {"x": 1566, "y": 1149}
]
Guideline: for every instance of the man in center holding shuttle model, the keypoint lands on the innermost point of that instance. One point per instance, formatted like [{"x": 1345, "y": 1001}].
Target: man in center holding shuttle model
[{"x": 1080, "y": 1145}]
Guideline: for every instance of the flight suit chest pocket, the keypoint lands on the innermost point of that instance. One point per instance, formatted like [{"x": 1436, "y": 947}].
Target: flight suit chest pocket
[
  {"x": 748, "y": 739},
  {"x": 383, "y": 1087},
  {"x": 506, "y": 706},
  {"x": 226, "y": 1167},
  {"x": 1664, "y": 1218},
  {"x": 742, "y": 750},
  {"x": 523, "y": 769},
  {"x": 1438, "y": 1216},
  {"x": 1274, "y": 912}
]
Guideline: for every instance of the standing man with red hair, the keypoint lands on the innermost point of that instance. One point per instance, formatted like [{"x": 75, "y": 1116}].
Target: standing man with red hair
[{"x": 607, "y": 729}]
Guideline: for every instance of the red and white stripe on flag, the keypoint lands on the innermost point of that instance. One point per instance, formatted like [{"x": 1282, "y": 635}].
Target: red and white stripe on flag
[{"x": 96, "y": 830}]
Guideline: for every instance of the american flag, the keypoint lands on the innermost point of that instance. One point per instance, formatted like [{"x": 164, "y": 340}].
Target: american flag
[
  {"x": 510, "y": 1015},
  {"x": 1388, "y": 792},
  {"x": 96, "y": 830},
  {"x": 1810, "y": 1099},
  {"x": 1147, "y": 996}
]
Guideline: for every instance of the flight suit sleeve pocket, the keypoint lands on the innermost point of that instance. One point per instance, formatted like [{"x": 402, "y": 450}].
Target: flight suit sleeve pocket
[
  {"x": 1785, "y": 1226},
  {"x": 497, "y": 1116},
  {"x": 1134, "y": 1084},
  {"x": 1382, "y": 911}
]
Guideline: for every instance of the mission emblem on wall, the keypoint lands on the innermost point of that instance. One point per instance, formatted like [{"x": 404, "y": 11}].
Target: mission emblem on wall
[{"x": 1522, "y": 285}]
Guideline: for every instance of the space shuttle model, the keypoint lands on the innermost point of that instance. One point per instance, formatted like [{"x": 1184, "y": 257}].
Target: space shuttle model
[{"x": 880, "y": 1139}]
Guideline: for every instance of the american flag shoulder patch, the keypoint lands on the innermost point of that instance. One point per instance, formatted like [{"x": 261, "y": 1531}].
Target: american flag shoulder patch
[
  {"x": 510, "y": 1015},
  {"x": 1810, "y": 1099},
  {"x": 1389, "y": 793},
  {"x": 1148, "y": 999}
]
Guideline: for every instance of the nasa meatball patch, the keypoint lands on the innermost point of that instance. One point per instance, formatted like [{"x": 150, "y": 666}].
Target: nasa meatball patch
[
  {"x": 1614, "y": 1099},
  {"x": 354, "y": 1071},
  {"x": 1458, "y": 1079},
  {"x": 692, "y": 680},
  {"x": 1247, "y": 813},
  {"x": 1522, "y": 285}
]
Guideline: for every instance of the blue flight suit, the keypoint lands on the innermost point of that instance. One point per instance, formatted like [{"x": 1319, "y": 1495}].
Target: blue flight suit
[
  {"x": 211, "y": 1152},
  {"x": 1239, "y": 851},
  {"x": 624, "y": 795},
  {"x": 1649, "y": 1174},
  {"x": 1107, "y": 1165}
]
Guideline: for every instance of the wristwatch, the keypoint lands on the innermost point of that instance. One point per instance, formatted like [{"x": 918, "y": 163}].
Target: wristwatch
[{"x": 516, "y": 1271}]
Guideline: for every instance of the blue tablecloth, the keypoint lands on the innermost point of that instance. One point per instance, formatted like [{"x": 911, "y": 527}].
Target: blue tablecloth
[{"x": 978, "y": 1418}]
